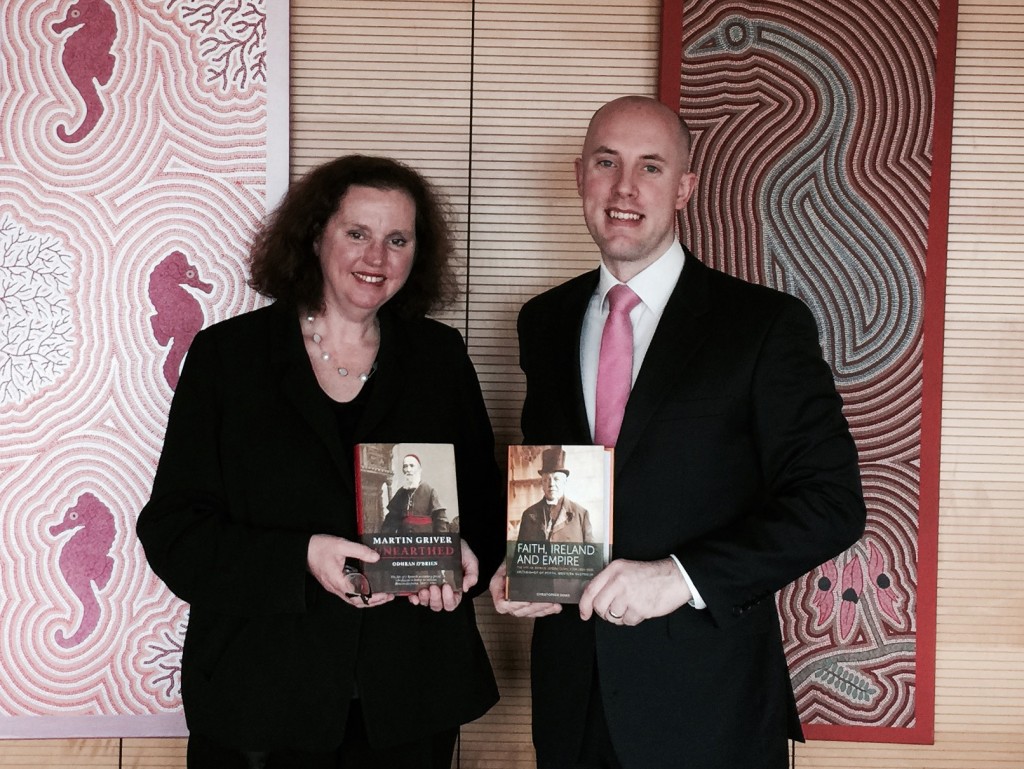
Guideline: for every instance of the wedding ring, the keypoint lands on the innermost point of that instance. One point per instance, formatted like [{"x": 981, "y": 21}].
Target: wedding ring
[{"x": 613, "y": 615}]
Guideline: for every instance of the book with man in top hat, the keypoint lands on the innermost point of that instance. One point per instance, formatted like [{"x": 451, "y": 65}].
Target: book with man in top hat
[{"x": 559, "y": 520}]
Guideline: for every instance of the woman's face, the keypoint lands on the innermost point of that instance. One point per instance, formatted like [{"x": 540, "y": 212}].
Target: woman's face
[{"x": 367, "y": 248}]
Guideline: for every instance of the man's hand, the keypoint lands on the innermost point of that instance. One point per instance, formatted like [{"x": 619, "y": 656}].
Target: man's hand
[
  {"x": 326, "y": 557},
  {"x": 517, "y": 608},
  {"x": 628, "y": 592},
  {"x": 442, "y": 597}
]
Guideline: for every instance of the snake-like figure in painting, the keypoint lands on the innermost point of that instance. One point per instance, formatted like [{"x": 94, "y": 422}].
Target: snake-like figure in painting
[
  {"x": 825, "y": 242},
  {"x": 87, "y": 59},
  {"x": 84, "y": 560},
  {"x": 822, "y": 241}
]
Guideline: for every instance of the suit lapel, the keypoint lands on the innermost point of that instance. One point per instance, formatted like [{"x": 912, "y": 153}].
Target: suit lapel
[
  {"x": 676, "y": 339},
  {"x": 570, "y": 330}
]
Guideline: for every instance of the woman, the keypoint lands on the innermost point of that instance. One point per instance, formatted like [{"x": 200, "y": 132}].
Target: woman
[{"x": 252, "y": 518}]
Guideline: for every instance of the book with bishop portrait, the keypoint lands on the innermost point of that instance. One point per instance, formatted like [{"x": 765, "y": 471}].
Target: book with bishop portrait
[{"x": 407, "y": 508}]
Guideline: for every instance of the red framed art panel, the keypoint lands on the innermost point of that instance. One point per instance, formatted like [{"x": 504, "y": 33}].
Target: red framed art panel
[{"x": 784, "y": 101}]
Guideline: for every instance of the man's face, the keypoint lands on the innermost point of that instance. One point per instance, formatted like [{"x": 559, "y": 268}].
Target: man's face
[
  {"x": 554, "y": 486},
  {"x": 632, "y": 178},
  {"x": 411, "y": 468}
]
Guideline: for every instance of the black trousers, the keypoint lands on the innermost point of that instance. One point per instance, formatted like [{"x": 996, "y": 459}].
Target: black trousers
[
  {"x": 355, "y": 752},
  {"x": 597, "y": 751}
]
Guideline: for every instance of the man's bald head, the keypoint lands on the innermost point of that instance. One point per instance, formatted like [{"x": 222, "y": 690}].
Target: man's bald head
[{"x": 650, "y": 109}]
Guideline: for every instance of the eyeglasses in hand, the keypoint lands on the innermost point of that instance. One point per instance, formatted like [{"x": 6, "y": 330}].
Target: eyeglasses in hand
[{"x": 360, "y": 585}]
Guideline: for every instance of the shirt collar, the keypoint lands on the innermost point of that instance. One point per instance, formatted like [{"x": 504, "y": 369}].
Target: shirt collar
[{"x": 654, "y": 284}]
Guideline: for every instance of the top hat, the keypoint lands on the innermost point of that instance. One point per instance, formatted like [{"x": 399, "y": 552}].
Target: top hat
[{"x": 553, "y": 461}]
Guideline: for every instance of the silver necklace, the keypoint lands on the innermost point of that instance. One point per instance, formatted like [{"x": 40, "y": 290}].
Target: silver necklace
[{"x": 326, "y": 356}]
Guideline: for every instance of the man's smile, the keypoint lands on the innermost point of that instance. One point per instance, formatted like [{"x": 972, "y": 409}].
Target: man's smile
[{"x": 623, "y": 216}]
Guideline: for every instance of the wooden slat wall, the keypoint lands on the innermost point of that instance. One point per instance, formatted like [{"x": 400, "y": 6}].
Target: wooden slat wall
[
  {"x": 540, "y": 70},
  {"x": 394, "y": 78},
  {"x": 386, "y": 78}
]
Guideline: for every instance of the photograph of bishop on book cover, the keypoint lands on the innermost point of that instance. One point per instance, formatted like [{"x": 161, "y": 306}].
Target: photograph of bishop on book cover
[
  {"x": 559, "y": 520},
  {"x": 408, "y": 511}
]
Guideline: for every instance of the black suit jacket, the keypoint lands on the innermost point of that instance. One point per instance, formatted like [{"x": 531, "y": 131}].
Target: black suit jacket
[
  {"x": 735, "y": 456},
  {"x": 252, "y": 466}
]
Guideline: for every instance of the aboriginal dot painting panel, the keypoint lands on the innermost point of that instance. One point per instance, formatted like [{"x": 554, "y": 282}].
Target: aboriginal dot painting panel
[
  {"x": 133, "y": 168},
  {"x": 814, "y": 142}
]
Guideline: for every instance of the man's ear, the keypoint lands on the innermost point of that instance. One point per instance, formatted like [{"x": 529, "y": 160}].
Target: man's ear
[
  {"x": 579, "y": 176},
  {"x": 687, "y": 186}
]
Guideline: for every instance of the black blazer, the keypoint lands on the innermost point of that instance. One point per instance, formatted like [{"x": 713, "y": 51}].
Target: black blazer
[
  {"x": 735, "y": 456},
  {"x": 252, "y": 466}
]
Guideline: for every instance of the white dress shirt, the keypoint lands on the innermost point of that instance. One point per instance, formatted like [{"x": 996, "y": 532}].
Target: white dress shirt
[{"x": 654, "y": 286}]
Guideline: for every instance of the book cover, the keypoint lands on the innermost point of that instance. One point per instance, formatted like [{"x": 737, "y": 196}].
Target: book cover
[
  {"x": 559, "y": 520},
  {"x": 407, "y": 508}
]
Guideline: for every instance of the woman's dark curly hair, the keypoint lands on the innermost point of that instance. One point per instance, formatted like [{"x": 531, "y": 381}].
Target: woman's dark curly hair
[{"x": 283, "y": 263}]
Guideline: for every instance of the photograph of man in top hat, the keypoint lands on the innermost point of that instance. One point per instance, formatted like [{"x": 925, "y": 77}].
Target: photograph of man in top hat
[{"x": 555, "y": 518}]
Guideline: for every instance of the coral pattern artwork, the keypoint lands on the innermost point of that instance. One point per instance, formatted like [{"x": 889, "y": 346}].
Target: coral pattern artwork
[
  {"x": 815, "y": 149},
  {"x": 133, "y": 170}
]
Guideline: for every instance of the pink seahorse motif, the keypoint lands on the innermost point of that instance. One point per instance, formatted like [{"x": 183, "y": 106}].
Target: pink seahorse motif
[
  {"x": 178, "y": 314},
  {"x": 87, "y": 59},
  {"x": 85, "y": 561}
]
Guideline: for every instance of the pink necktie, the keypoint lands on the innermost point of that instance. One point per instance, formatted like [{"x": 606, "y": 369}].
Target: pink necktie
[{"x": 615, "y": 365}]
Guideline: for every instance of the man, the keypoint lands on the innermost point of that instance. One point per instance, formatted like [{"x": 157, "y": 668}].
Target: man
[
  {"x": 735, "y": 474},
  {"x": 555, "y": 518},
  {"x": 415, "y": 508}
]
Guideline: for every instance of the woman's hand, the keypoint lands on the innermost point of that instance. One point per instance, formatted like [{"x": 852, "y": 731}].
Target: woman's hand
[
  {"x": 442, "y": 597},
  {"x": 327, "y": 557}
]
